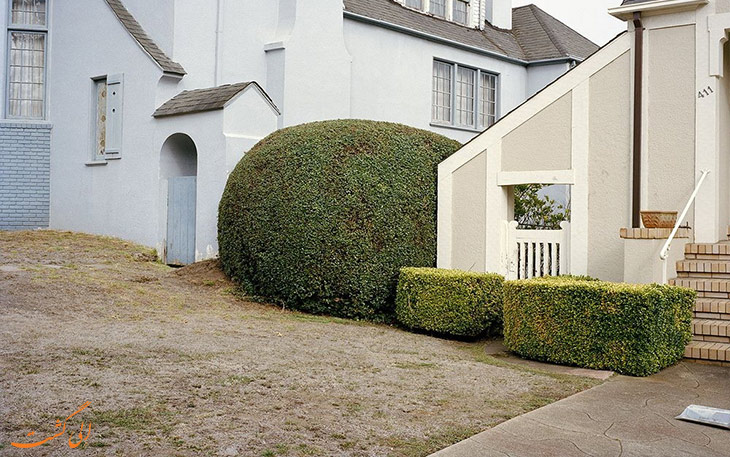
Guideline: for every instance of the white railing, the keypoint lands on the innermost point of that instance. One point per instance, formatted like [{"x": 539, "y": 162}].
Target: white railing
[
  {"x": 664, "y": 253},
  {"x": 535, "y": 253}
]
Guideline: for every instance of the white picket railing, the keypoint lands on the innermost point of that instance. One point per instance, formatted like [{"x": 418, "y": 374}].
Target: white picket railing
[{"x": 536, "y": 253}]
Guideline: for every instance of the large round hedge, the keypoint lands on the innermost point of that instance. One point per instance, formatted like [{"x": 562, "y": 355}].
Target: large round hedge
[{"x": 322, "y": 216}]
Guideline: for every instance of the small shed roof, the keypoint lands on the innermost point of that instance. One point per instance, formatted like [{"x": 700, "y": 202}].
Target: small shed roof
[{"x": 208, "y": 99}]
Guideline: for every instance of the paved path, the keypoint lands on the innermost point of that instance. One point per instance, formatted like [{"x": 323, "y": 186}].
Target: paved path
[{"x": 622, "y": 417}]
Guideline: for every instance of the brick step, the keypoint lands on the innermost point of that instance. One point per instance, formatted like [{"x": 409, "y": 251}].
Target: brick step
[
  {"x": 712, "y": 308},
  {"x": 702, "y": 350},
  {"x": 711, "y": 330},
  {"x": 725, "y": 257},
  {"x": 722, "y": 248},
  {"x": 706, "y": 288},
  {"x": 703, "y": 269}
]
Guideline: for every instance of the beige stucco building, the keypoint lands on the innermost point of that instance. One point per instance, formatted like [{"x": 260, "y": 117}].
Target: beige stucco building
[{"x": 670, "y": 66}]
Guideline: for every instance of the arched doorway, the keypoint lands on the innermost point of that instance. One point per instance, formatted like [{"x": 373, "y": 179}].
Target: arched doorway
[{"x": 179, "y": 167}]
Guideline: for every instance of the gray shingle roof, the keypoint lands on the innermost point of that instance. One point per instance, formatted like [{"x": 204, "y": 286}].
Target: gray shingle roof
[
  {"x": 199, "y": 100},
  {"x": 535, "y": 34},
  {"x": 138, "y": 33}
]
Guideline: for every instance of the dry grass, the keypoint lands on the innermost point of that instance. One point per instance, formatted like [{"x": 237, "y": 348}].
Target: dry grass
[{"x": 174, "y": 363}]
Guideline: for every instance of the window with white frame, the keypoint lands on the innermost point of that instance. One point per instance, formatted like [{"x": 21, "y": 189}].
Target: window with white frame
[
  {"x": 461, "y": 12},
  {"x": 463, "y": 96},
  {"x": 417, "y": 4},
  {"x": 438, "y": 8},
  {"x": 26, "y": 63}
]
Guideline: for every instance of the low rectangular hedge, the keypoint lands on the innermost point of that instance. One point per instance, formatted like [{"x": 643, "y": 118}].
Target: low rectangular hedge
[
  {"x": 449, "y": 302},
  {"x": 631, "y": 329}
]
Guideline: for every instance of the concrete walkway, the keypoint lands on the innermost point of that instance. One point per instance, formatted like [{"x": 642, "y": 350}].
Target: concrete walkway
[{"x": 622, "y": 417}]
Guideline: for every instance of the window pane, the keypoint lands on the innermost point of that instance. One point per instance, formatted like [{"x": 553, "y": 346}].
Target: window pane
[
  {"x": 28, "y": 12},
  {"x": 487, "y": 100},
  {"x": 461, "y": 12},
  {"x": 100, "y": 145},
  {"x": 438, "y": 8},
  {"x": 465, "y": 92},
  {"x": 418, "y": 4},
  {"x": 26, "y": 85},
  {"x": 441, "y": 103}
]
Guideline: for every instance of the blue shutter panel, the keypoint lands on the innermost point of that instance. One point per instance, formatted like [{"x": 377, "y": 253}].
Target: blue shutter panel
[{"x": 114, "y": 109}]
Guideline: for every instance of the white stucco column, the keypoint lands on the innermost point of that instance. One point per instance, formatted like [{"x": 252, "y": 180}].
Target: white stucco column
[{"x": 579, "y": 192}]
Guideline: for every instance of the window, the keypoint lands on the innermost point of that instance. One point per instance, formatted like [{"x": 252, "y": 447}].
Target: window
[
  {"x": 27, "y": 34},
  {"x": 441, "y": 92},
  {"x": 100, "y": 88},
  {"x": 470, "y": 94},
  {"x": 417, "y": 4},
  {"x": 107, "y": 105},
  {"x": 461, "y": 12},
  {"x": 438, "y": 8}
]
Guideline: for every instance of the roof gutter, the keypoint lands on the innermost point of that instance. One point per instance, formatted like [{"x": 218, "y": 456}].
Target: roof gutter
[
  {"x": 456, "y": 44},
  {"x": 638, "y": 108}
]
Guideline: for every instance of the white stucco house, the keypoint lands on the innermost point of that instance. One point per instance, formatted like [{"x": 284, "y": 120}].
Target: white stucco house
[
  {"x": 641, "y": 125},
  {"x": 124, "y": 117}
]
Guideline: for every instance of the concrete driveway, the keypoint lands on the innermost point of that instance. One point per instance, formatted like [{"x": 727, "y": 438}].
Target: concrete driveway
[{"x": 622, "y": 417}]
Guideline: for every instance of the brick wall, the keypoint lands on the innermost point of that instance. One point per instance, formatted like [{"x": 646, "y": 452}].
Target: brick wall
[{"x": 25, "y": 173}]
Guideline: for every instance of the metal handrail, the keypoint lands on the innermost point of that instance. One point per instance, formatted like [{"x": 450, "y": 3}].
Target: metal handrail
[{"x": 664, "y": 253}]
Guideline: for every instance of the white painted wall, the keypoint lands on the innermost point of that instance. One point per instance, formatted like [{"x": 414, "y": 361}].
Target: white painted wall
[
  {"x": 392, "y": 77},
  {"x": 539, "y": 76},
  {"x": 113, "y": 199}
]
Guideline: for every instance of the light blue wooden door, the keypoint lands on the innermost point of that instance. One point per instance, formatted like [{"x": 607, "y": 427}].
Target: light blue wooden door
[{"x": 181, "y": 220}]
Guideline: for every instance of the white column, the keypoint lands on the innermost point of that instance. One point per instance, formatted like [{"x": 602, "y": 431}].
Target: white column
[
  {"x": 579, "y": 192},
  {"x": 496, "y": 212}
]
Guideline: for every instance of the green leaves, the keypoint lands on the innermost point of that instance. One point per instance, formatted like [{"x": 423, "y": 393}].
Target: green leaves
[
  {"x": 321, "y": 216},
  {"x": 449, "y": 302},
  {"x": 531, "y": 210},
  {"x": 631, "y": 329}
]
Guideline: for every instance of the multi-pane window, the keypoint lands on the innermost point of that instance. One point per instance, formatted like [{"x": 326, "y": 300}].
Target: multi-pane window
[
  {"x": 27, "y": 34},
  {"x": 461, "y": 12},
  {"x": 470, "y": 94},
  {"x": 465, "y": 94},
  {"x": 438, "y": 8},
  {"x": 441, "y": 102},
  {"x": 418, "y": 4},
  {"x": 487, "y": 100}
]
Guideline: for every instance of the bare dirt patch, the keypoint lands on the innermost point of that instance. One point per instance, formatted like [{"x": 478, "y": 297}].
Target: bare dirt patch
[{"x": 174, "y": 363}]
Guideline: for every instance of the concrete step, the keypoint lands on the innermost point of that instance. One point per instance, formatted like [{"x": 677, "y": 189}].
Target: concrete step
[
  {"x": 706, "y": 288},
  {"x": 703, "y": 269},
  {"x": 711, "y": 330},
  {"x": 712, "y": 308},
  {"x": 702, "y": 350}
]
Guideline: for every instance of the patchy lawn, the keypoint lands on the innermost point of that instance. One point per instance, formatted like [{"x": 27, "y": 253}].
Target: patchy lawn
[{"x": 174, "y": 363}]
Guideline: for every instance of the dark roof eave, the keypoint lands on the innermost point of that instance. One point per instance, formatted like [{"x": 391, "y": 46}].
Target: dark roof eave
[
  {"x": 431, "y": 37},
  {"x": 456, "y": 44}
]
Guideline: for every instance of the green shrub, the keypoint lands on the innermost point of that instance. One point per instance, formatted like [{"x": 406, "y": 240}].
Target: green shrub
[
  {"x": 449, "y": 302},
  {"x": 631, "y": 329},
  {"x": 322, "y": 216}
]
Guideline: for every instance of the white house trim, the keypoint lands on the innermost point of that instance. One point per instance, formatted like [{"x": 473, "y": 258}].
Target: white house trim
[
  {"x": 538, "y": 102},
  {"x": 579, "y": 192},
  {"x": 514, "y": 178},
  {"x": 655, "y": 7}
]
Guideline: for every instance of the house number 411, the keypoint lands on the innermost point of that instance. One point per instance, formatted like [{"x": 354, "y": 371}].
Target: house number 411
[{"x": 705, "y": 92}]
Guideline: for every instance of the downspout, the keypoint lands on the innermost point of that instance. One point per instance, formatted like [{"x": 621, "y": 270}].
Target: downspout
[
  {"x": 638, "y": 106},
  {"x": 218, "y": 33}
]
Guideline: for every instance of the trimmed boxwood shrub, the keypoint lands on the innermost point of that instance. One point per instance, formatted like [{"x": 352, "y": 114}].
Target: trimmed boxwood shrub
[
  {"x": 321, "y": 216},
  {"x": 449, "y": 302},
  {"x": 631, "y": 329}
]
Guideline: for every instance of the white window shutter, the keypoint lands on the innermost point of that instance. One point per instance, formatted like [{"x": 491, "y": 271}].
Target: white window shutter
[{"x": 114, "y": 108}]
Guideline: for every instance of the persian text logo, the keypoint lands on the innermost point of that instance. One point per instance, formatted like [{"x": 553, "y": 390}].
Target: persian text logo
[{"x": 71, "y": 443}]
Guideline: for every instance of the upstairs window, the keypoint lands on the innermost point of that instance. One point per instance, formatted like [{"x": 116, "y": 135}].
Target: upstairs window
[
  {"x": 438, "y": 8},
  {"x": 417, "y": 4},
  {"x": 461, "y": 12},
  {"x": 26, "y": 64},
  {"x": 463, "y": 96}
]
